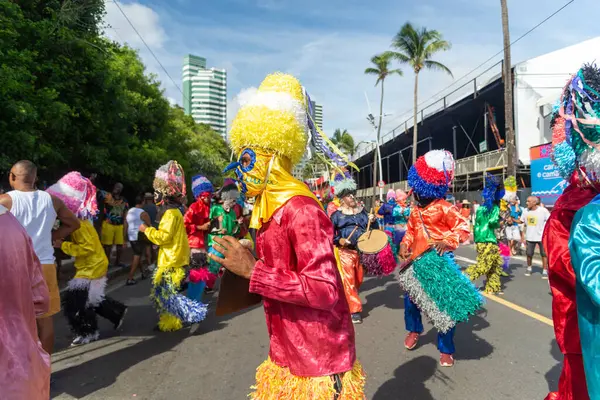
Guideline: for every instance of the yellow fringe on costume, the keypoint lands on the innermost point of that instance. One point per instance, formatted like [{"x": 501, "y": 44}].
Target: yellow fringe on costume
[
  {"x": 177, "y": 275},
  {"x": 277, "y": 383},
  {"x": 489, "y": 263},
  {"x": 169, "y": 323}
]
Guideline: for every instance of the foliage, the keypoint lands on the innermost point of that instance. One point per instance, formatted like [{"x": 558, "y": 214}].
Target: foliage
[
  {"x": 381, "y": 67},
  {"x": 417, "y": 46},
  {"x": 344, "y": 141},
  {"x": 72, "y": 100},
  {"x": 314, "y": 168}
]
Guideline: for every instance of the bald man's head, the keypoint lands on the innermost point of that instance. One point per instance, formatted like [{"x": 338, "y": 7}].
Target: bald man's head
[{"x": 23, "y": 175}]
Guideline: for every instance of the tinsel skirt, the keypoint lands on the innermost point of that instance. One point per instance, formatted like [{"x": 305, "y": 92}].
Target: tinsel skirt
[
  {"x": 439, "y": 289},
  {"x": 489, "y": 264},
  {"x": 175, "y": 309},
  {"x": 277, "y": 383}
]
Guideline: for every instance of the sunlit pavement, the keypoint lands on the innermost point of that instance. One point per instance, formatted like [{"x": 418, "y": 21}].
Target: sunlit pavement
[{"x": 501, "y": 353}]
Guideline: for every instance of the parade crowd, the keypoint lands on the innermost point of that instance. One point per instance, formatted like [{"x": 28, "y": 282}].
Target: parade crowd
[{"x": 305, "y": 259}]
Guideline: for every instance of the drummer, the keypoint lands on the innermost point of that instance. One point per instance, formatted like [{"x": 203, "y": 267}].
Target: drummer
[
  {"x": 436, "y": 223},
  {"x": 349, "y": 222}
]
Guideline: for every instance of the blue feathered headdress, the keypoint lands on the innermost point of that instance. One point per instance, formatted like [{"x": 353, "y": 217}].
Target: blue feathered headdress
[
  {"x": 343, "y": 184},
  {"x": 201, "y": 184},
  {"x": 493, "y": 191}
]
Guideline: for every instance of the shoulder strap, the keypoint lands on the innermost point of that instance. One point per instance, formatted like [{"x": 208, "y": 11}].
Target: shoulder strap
[{"x": 424, "y": 227}]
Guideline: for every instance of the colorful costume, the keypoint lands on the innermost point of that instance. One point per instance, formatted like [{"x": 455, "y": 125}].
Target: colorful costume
[
  {"x": 400, "y": 213},
  {"x": 312, "y": 352},
  {"x": 433, "y": 283},
  {"x": 173, "y": 255},
  {"x": 85, "y": 295},
  {"x": 226, "y": 220},
  {"x": 573, "y": 276},
  {"x": 198, "y": 216},
  {"x": 349, "y": 225},
  {"x": 487, "y": 220}
]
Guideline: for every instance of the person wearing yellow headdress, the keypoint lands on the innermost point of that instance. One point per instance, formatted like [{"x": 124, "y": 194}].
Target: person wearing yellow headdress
[{"x": 312, "y": 352}]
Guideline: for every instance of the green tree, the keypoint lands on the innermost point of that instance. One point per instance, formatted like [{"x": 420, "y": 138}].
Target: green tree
[
  {"x": 416, "y": 47},
  {"x": 314, "y": 168},
  {"x": 344, "y": 141},
  {"x": 72, "y": 100},
  {"x": 381, "y": 69}
]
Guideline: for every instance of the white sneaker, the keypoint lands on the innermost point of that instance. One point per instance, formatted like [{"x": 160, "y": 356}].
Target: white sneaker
[
  {"x": 528, "y": 271},
  {"x": 78, "y": 341},
  {"x": 545, "y": 274},
  {"x": 151, "y": 267}
]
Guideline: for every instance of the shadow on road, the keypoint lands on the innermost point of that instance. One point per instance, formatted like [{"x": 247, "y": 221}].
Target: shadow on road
[
  {"x": 553, "y": 375},
  {"x": 469, "y": 346},
  {"x": 389, "y": 296},
  {"x": 409, "y": 380}
]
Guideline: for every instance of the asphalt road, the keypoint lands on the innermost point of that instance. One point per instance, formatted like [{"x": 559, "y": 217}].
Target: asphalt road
[{"x": 502, "y": 353}]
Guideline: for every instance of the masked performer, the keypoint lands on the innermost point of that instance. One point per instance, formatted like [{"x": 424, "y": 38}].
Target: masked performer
[
  {"x": 487, "y": 220},
  {"x": 401, "y": 213},
  {"x": 85, "y": 295},
  {"x": 312, "y": 352},
  {"x": 349, "y": 222},
  {"x": 437, "y": 224},
  {"x": 174, "y": 252},
  {"x": 573, "y": 276}
]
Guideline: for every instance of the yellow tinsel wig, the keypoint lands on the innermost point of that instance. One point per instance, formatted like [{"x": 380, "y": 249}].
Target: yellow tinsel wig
[{"x": 274, "y": 120}]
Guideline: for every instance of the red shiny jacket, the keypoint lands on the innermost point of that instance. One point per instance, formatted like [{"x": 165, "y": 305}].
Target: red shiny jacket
[
  {"x": 307, "y": 314},
  {"x": 561, "y": 274},
  {"x": 197, "y": 214}
]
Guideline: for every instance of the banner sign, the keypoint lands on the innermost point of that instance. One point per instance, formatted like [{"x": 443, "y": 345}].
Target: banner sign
[{"x": 546, "y": 182}]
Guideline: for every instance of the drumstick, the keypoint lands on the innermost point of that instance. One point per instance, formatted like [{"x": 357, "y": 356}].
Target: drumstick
[
  {"x": 369, "y": 224},
  {"x": 352, "y": 233}
]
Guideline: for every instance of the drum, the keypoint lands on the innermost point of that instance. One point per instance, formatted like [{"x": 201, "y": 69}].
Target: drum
[
  {"x": 439, "y": 289},
  {"x": 376, "y": 255}
]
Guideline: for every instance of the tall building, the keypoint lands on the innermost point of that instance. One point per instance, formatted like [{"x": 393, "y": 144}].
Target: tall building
[
  {"x": 205, "y": 93},
  {"x": 318, "y": 114}
]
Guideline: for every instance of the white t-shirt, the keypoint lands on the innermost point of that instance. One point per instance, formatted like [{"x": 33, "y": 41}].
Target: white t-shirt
[
  {"x": 535, "y": 221},
  {"x": 134, "y": 221},
  {"x": 35, "y": 211}
]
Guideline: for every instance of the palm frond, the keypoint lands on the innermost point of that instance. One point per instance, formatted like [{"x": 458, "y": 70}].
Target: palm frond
[
  {"x": 396, "y": 71},
  {"x": 434, "y": 65},
  {"x": 372, "y": 71}
]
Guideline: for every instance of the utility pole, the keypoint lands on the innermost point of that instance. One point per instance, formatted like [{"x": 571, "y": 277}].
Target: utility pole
[{"x": 511, "y": 150}]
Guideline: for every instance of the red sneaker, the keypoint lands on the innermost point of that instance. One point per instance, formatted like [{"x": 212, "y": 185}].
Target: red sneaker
[
  {"x": 446, "y": 360},
  {"x": 411, "y": 341}
]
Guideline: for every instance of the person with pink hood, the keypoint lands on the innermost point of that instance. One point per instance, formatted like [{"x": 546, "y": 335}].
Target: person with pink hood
[{"x": 24, "y": 296}]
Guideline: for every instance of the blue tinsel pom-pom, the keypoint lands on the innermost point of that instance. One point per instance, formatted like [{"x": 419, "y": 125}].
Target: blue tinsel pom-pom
[
  {"x": 564, "y": 159},
  {"x": 423, "y": 189}
]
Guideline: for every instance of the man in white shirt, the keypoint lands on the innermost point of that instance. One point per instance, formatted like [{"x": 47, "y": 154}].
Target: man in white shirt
[
  {"x": 37, "y": 212},
  {"x": 534, "y": 219}
]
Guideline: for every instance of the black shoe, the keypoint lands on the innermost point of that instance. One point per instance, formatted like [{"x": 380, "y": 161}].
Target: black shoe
[
  {"x": 356, "y": 318},
  {"x": 130, "y": 282}
]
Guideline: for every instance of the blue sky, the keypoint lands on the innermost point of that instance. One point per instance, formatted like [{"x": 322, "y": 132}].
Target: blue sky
[{"x": 327, "y": 44}]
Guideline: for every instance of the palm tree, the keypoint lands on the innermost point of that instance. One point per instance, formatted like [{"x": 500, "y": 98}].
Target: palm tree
[
  {"x": 381, "y": 69},
  {"x": 416, "y": 47},
  {"x": 344, "y": 141},
  {"x": 508, "y": 94}
]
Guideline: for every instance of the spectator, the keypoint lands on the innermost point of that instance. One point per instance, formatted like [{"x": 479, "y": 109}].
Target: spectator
[
  {"x": 152, "y": 211},
  {"x": 475, "y": 207},
  {"x": 23, "y": 297},
  {"x": 465, "y": 210},
  {"x": 512, "y": 229},
  {"x": 37, "y": 212},
  {"x": 115, "y": 208},
  {"x": 534, "y": 219},
  {"x": 136, "y": 216}
]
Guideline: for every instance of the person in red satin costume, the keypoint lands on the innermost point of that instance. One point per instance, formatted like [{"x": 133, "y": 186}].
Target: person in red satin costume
[
  {"x": 312, "y": 344},
  {"x": 572, "y": 384}
]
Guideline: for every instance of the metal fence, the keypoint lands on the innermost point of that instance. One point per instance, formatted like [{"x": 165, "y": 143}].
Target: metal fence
[{"x": 466, "y": 166}]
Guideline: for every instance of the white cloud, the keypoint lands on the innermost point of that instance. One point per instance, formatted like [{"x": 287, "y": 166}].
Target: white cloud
[
  {"x": 144, "y": 19},
  {"x": 237, "y": 102},
  {"x": 330, "y": 61}
]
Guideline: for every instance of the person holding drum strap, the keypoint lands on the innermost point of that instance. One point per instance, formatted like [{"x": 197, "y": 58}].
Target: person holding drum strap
[
  {"x": 435, "y": 229},
  {"x": 349, "y": 222}
]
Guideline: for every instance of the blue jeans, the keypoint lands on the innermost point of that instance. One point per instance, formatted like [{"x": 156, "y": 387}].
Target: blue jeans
[{"x": 413, "y": 323}]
